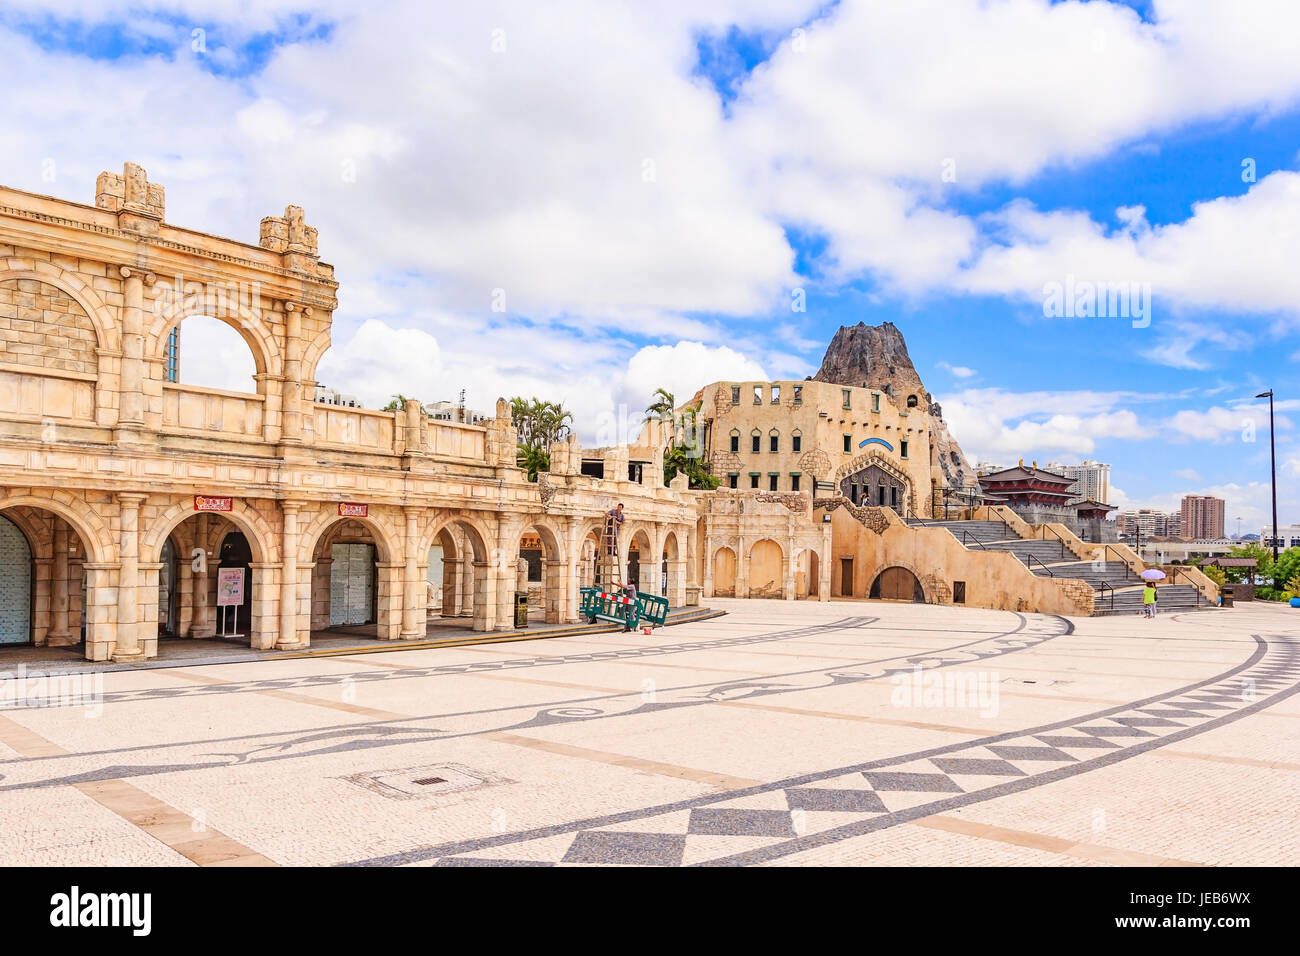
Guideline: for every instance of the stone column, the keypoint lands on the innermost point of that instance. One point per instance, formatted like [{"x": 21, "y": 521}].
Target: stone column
[
  {"x": 824, "y": 565},
  {"x": 291, "y": 390},
  {"x": 203, "y": 623},
  {"x": 742, "y": 567},
  {"x": 708, "y": 566},
  {"x": 131, "y": 412},
  {"x": 483, "y": 617},
  {"x": 128, "y": 630},
  {"x": 288, "y": 638},
  {"x": 59, "y": 604},
  {"x": 414, "y": 613},
  {"x": 100, "y": 609},
  {"x": 787, "y": 584}
]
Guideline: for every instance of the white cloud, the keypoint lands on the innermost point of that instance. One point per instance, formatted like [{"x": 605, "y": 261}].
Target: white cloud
[
  {"x": 956, "y": 371},
  {"x": 1221, "y": 424}
]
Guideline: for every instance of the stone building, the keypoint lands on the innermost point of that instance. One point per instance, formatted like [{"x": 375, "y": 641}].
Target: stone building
[
  {"x": 797, "y": 436},
  {"x": 130, "y": 502}
]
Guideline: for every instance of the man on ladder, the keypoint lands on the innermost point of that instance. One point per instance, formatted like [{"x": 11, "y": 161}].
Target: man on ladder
[{"x": 609, "y": 564}]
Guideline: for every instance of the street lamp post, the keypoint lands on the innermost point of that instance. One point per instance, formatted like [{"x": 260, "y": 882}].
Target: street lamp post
[{"x": 1272, "y": 454}]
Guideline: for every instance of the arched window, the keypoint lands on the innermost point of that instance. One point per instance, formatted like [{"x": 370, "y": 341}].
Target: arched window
[
  {"x": 796, "y": 441},
  {"x": 911, "y": 401},
  {"x": 774, "y": 441},
  {"x": 207, "y": 352},
  {"x": 735, "y": 440},
  {"x": 756, "y": 441}
]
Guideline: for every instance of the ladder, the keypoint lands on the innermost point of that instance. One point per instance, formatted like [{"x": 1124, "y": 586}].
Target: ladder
[{"x": 607, "y": 575}]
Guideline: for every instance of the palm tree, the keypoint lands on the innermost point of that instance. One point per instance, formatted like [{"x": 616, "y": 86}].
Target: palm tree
[
  {"x": 398, "y": 403},
  {"x": 661, "y": 405}
]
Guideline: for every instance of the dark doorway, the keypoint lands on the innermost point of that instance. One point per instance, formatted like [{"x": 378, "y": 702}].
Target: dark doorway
[
  {"x": 167, "y": 578},
  {"x": 846, "y": 577}
]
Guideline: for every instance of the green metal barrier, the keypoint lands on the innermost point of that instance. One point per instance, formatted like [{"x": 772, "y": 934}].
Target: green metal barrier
[
  {"x": 653, "y": 610},
  {"x": 612, "y": 606}
]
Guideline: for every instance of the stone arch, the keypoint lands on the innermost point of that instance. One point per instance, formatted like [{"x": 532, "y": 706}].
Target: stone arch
[
  {"x": 480, "y": 538},
  {"x": 261, "y": 536},
  {"x": 314, "y": 352},
  {"x": 88, "y": 525},
  {"x": 554, "y": 564},
  {"x": 888, "y": 579},
  {"x": 766, "y": 569},
  {"x": 387, "y": 540},
  {"x": 643, "y": 535},
  {"x": 66, "y": 334},
  {"x": 250, "y": 325},
  {"x": 101, "y": 317}
]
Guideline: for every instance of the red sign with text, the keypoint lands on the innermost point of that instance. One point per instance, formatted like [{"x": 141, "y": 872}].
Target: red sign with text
[
  {"x": 348, "y": 509},
  {"x": 210, "y": 503}
]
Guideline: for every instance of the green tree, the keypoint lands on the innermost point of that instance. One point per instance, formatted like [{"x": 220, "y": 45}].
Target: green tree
[
  {"x": 397, "y": 404},
  {"x": 1287, "y": 567},
  {"x": 680, "y": 460},
  {"x": 539, "y": 424},
  {"x": 1215, "y": 574}
]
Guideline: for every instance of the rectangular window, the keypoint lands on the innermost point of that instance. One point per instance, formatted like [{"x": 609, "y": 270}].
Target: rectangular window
[
  {"x": 753, "y": 479},
  {"x": 735, "y": 444},
  {"x": 735, "y": 394},
  {"x": 771, "y": 482},
  {"x": 958, "y": 592},
  {"x": 776, "y": 394},
  {"x": 733, "y": 479},
  {"x": 174, "y": 354},
  {"x": 794, "y": 482},
  {"x": 798, "y": 394},
  {"x": 848, "y": 442},
  {"x": 756, "y": 444},
  {"x": 875, "y": 401},
  {"x": 796, "y": 443},
  {"x": 902, "y": 449},
  {"x": 758, "y": 394},
  {"x": 775, "y": 442},
  {"x": 848, "y": 403}
]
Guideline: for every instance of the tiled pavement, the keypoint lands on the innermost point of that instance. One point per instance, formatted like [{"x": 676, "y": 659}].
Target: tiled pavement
[{"x": 780, "y": 734}]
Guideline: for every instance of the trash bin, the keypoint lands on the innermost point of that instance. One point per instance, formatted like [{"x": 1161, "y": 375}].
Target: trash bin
[
  {"x": 1225, "y": 596},
  {"x": 521, "y": 609}
]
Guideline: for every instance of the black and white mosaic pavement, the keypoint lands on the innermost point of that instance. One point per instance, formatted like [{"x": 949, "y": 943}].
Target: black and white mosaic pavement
[{"x": 775, "y": 820}]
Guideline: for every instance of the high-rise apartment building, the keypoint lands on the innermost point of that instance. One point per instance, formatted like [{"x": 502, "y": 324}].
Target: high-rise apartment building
[
  {"x": 1202, "y": 517},
  {"x": 1091, "y": 478}
]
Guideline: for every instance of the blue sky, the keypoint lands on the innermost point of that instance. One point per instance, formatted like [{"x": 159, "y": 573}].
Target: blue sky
[{"x": 646, "y": 187}]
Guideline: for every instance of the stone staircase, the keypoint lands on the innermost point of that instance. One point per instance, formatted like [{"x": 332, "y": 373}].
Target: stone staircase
[{"x": 1118, "y": 589}]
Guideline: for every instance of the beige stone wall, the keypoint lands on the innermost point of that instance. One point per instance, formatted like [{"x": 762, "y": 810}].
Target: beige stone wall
[
  {"x": 993, "y": 579},
  {"x": 818, "y": 417},
  {"x": 42, "y": 327}
]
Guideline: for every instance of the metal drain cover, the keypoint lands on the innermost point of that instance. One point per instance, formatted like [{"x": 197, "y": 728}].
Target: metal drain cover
[{"x": 417, "y": 782}]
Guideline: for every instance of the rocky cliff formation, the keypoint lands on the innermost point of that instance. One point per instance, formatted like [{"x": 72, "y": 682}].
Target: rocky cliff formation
[{"x": 875, "y": 356}]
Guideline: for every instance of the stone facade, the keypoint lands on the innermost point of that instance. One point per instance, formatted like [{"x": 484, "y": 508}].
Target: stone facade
[{"x": 110, "y": 471}]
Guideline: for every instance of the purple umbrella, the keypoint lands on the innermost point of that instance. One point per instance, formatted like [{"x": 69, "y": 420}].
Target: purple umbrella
[{"x": 1153, "y": 574}]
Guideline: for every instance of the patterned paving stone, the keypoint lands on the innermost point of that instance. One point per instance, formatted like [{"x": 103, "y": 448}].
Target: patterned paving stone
[
  {"x": 730, "y": 822},
  {"x": 914, "y": 782},
  {"x": 641, "y": 849},
  {"x": 1025, "y": 752},
  {"x": 977, "y": 765},
  {"x": 817, "y": 799}
]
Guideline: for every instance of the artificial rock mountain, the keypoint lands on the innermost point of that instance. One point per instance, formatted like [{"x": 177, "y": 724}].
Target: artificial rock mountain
[{"x": 875, "y": 356}]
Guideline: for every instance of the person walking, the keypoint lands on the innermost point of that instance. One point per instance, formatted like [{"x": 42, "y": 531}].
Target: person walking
[{"x": 1149, "y": 599}]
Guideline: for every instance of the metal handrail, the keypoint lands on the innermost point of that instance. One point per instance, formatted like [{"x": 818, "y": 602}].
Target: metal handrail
[
  {"x": 1060, "y": 542},
  {"x": 1033, "y": 557},
  {"x": 965, "y": 533},
  {"x": 1119, "y": 557},
  {"x": 1192, "y": 584},
  {"x": 1106, "y": 587}
]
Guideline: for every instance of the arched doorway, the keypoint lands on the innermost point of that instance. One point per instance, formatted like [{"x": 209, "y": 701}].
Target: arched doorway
[
  {"x": 806, "y": 574},
  {"x": 766, "y": 570},
  {"x": 641, "y": 563},
  {"x": 541, "y": 572},
  {"x": 43, "y": 580},
  {"x": 724, "y": 573},
  {"x": 464, "y": 575},
  {"x": 345, "y": 579},
  {"x": 897, "y": 584},
  {"x": 16, "y": 566}
]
